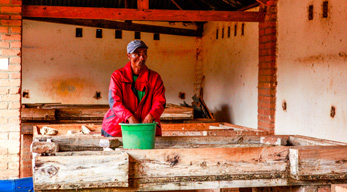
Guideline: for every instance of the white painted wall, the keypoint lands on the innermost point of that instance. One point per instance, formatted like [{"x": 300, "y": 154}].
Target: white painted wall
[
  {"x": 231, "y": 72},
  {"x": 58, "y": 67},
  {"x": 312, "y": 68}
]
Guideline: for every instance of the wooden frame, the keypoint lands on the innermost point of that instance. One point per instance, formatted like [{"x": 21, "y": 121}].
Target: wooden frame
[{"x": 207, "y": 168}]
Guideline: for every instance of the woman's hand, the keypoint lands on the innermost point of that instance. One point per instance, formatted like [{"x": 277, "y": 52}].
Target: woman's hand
[
  {"x": 132, "y": 120},
  {"x": 148, "y": 119}
]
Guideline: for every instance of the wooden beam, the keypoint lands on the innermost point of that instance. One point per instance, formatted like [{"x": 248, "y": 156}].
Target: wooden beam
[
  {"x": 123, "y": 26},
  {"x": 179, "y": 169},
  {"x": 142, "y": 5},
  {"x": 37, "y": 114},
  {"x": 299, "y": 140},
  {"x": 44, "y": 147},
  {"x": 263, "y": 2},
  {"x": 318, "y": 163},
  {"x": 77, "y": 172},
  {"x": 81, "y": 142},
  {"x": 131, "y": 14}
]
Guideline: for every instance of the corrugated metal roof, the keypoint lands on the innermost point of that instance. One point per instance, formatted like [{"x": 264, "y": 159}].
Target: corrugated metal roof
[{"x": 218, "y": 5}]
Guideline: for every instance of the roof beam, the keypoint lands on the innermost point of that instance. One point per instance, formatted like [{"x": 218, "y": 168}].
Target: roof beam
[
  {"x": 124, "y": 26},
  {"x": 133, "y": 14},
  {"x": 263, "y": 2}
]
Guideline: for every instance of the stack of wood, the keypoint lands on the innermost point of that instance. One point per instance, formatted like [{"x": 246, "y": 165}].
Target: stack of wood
[{"x": 34, "y": 114}]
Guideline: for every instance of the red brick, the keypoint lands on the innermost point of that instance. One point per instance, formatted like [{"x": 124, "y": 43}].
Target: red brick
[
  {"x": 3, "y": 75},
  {"x": 9, "y": 174},
  {"x": 16, "y": 68},
  {"x": 14, "y": 91},
  {"x": 267, "y": 85},
  {"x": 270, "y": 71},
  {"x": 267, "y": 92},
  {"x": 3, "y": 105},
  {"x": 9, "y": 113},
  {"x": 10, "y": 52},
  {"x": 15, "y": 76},
  {"x": 10, "y": 83},
  {"x": 3, "y": 29},
  {"x": 267, "y": 118},
  {"x": 16, "y": 2},
  {"x": 4, "y": 1},
  {"x": 266, "y": 99},
  {"x": 16, "y": 121},
  {"x": 10, "y": 98},
  {"x": 266, "y": 111},
  {"x": 3, "y": 91},
  {"x": 11, "y": 9},
  {"x": 16, "y": 29},
  {"x": 4, "y": 16},
  {"x": 16, "y": 60},
  {"x": 15, "y": 105},
  {"x": 270, "y": 31},
  {"x": 16, "y": 17},
  {"x": 266, "y": 124},
  {"x": 11, "y": 22},
  {"x": 266, "y": 105},
  {"x": 4, "y": 44},
  {"x": 16, "y": 44},
  {"x": 11, "y": 37}
]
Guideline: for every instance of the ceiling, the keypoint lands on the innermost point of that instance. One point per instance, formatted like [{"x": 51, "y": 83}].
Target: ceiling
[{"x": 217, "y": 5}]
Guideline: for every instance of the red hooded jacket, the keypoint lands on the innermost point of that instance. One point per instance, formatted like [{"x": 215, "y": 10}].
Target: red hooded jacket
[{"x": 124, "y": 102}]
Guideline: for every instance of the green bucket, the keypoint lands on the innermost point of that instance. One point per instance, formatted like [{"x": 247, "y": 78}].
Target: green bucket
[{"x": 138, "y": 135}]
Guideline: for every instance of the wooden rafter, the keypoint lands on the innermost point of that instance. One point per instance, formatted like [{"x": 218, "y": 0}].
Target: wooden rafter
[
  {"x": 263, "y": 2},
  {"x": 124, "y": 26},
  {"x": 133, "y": 14}
]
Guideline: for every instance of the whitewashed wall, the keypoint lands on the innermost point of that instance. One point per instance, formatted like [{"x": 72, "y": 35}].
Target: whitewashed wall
[
  {"x": 58, "y": 67},
  {"x": 231, "y": 72},
  {"x": 312, "y": 69}
]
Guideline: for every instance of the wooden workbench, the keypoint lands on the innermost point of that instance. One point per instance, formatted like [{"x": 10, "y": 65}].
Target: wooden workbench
[{"x": 240, "y": 160}]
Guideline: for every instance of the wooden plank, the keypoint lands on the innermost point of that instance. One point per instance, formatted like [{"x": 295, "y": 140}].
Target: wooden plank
[
  {"x": 44, "y": 147},
  {"x": 81, "y": 142},
  {"x": 63, "y": 129},
  {"x": 124, "y": 26},
  {"x": 318, "y": 163},
  {"x": 187, "y": 126},
  {"x": 178, "y": 169},
  {"x": 175, "y": 112},
  {"x": 132, "y": 14},
  {"x": 37, "y": 114},
  {"x": 76, "y": 172},
  {"x": 81, "y": 113},
  {"x": 299, "y": 140},
  {"x": 218, "y": 132}
]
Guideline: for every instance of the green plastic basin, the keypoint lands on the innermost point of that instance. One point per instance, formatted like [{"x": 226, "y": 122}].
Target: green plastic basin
[{"x": 138, "y": 136}]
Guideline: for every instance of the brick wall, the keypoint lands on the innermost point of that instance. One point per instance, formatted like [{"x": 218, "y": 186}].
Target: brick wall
[
  {"x": 267, "y": 81},
  {"x": 10, "y": 82}
]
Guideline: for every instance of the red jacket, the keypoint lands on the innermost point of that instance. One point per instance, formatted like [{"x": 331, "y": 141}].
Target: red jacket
[{"x": 124, "y": 103}]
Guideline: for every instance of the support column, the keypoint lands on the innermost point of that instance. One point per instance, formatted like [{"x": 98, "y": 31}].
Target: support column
[
  {"x": 267, "y": 78},
  {"x": 10, "y": 84}
]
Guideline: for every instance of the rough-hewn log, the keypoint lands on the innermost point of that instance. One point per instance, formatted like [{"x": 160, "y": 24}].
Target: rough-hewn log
[
  {"x": 76, "y": 172},
  {"x": 44, "y": 147},
  {"x": 133, "y": 14},
  {"x": 318, "y": 163}
]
